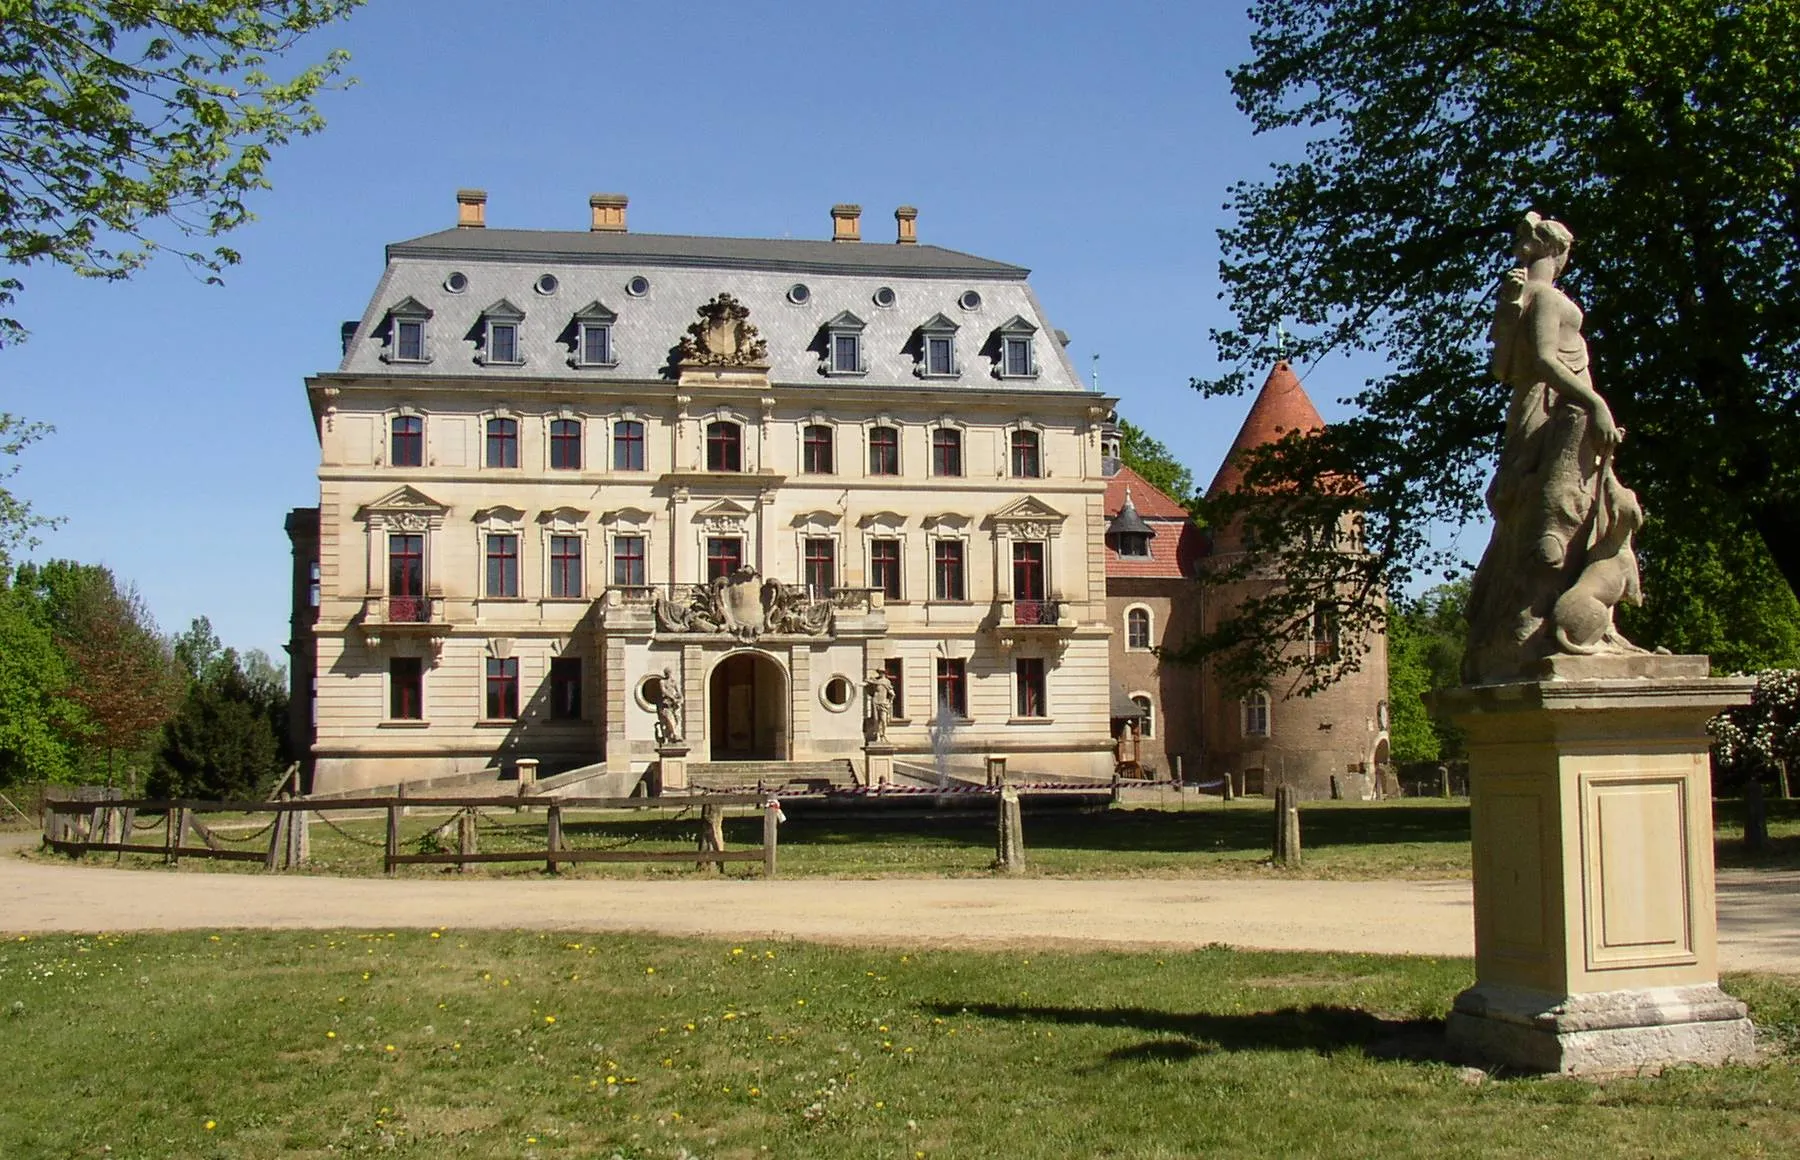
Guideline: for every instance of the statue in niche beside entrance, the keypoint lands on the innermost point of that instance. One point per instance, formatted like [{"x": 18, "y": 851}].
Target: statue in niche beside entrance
[
  {"x": 669, "y": 703},
  {"x": 1560, "y": 558},
  {"x": 880, "y": 692}
]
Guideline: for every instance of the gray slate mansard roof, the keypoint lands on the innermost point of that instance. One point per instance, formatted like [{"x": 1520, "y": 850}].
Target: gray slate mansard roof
[{"x": 685, "y": 272}]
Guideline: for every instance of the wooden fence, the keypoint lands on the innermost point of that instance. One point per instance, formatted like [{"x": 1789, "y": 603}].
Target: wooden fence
[{"x": 105, "y": 824}]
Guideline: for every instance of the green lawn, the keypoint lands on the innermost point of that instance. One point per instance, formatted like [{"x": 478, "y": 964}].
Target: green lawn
[
  {"x": 1417, "y": 838},
  {"x": 413, "y": 1043}
]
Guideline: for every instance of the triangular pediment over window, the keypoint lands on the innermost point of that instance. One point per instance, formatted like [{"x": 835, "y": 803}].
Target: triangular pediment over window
[
  {"x": 409, "y": 307},
  {"x": 1017, "y": 324},
  {"x": 845, "y": 321},
  {"x": 1029, "y": 508},
  {"x": 595, "y": 311},
  {"x": 504, "y": 311},
  {"x": 727, "y": 508},
  {"x": 938, "y": 324},
  {"x": 408, "y": 500}
]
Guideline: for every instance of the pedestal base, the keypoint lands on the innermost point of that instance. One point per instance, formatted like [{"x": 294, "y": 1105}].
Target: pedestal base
[
  {"x": 1601, "y": 1033},
  {"x": 878, "y": 763},
  {"x": 672, "y": 768}
]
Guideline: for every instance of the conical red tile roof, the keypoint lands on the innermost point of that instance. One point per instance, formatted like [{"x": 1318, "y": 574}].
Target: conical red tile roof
[{"x": 1281, "y": 406}]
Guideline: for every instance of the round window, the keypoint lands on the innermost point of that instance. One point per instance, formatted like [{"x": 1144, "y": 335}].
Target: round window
[
  {"x": 638, "y": 286},
  {"x": 884, "y": 297},
  {"x": 838, "y": 693},
  {"x": 969, "y": 300},
  {"x": 799, "y": 294},
  {"x": 649, "y": 693},
  {"x": 546, "y": 284},
  {"x": 457, "y": 282}
]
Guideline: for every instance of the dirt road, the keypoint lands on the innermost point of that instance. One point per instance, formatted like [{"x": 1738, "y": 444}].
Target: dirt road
[{"x": 1759, "y": 914}]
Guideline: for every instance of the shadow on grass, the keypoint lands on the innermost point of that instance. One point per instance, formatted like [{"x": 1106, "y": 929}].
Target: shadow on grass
[
  {"x": 1319, "y": 1030},
  {"x": 1165, "y": 831}
]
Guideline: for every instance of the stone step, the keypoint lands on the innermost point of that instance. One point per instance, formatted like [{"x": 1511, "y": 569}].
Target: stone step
[{"x": 719, "y": 775}]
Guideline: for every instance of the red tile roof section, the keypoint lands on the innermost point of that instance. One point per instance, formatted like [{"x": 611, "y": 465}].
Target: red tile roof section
[
  {"x": 1177, "y": 543},
  {"x": 1281, "y": 406}
]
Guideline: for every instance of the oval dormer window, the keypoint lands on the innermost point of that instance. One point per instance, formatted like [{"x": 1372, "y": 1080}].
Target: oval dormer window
[
  {"x": 884, "y": 297},
  {"x": 546, "y": 284},
  {"x": 638, "y": 286},
  {"x": 457, "y": 282},
  {"x": 970, "y": 300},
  {"x": 799, "y": 294}
]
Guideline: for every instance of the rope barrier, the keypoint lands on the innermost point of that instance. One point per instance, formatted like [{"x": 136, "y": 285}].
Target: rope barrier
[
  {"x": 633, "y": 838},
  {"x": 343, "y": 833},
  {"x": 248, "y": 837},
  {"x": 155, "y": 823}
]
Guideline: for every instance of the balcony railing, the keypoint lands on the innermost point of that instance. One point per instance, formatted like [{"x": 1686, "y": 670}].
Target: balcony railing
[
  {"x": 403, "y": 611},
  {"x": 409, "y": 610},
  {"x": 1036, "y": 613}
]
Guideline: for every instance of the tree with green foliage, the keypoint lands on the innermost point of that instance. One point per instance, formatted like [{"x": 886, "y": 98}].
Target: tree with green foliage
[
  {"x": 19, "y": 525},
  {"x": 1666, "y": 136},
  {"x": 226, "y": 739},
  {"x": 40, "y": 725},
  {"x": 120, "y": 116},
  {"x": 1425, "y": 648},
  {"x": 1153, "y": 460},
  {"x": 1720, "y": 598}
]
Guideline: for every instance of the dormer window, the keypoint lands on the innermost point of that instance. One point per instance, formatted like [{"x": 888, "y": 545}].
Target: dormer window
[
  {"x": 937, "y": 346},
  {"x": 1134, "y": 545},
  {"x": 1018, "y": 349},
  {"x": 593, "y": 336},
  {"x": 500, "y": 335},
  {"x": 406, "y": 332},
  {"x": 843, "y": 346}
]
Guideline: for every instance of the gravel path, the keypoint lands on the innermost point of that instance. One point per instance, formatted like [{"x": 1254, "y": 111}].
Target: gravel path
[{"x": 1759, "y": 913}]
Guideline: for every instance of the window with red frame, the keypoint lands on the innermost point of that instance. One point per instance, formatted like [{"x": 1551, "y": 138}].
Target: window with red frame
[
  {"x": 946, "y": 451},
  {"x": 502, "y": 443},
  {"x": 407, "y": 602},
  {"x": 895, "y": 669},
  {"x": 565, "y": 444},
  {"x": 947, "y": 570},
  {"x": 884, "y": 451},
  {"x": 953, "y": 686},
  {"x": 565, "y": 689},
  {"x": 1026, "y": 458},
  {"x": 406, "y": 689},
  {"x": 816, "y": 447},
  {"x": 565, "y": 567},
  {"x": 406, "y": 443},
  {"x": 502, "y": 688},
  {"x": 503, "y": 566},
  {"x": 1031, "y": 692},
  {"x": 724, "y": 555},
  {"x": 884, "y": 567},
  {"x": 628, "y": 445},
  {"x": 628, "y": 561},
  {"x": 821, "y": 566},
  {"x": 724, "y": 447},
  {"x": 1028, "y": 570}
]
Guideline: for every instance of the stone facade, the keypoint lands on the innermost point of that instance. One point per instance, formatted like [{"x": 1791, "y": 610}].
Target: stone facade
[{"x": 546, "y": 454}]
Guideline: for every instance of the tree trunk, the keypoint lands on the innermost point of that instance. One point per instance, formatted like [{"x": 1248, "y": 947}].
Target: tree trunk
[
  {"x": 1782, "y": 789},
  {"x": 1756, "y": 822}
]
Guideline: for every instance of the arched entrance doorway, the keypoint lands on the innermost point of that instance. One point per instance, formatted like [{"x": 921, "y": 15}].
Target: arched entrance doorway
[{"x": 747, "y": 706}]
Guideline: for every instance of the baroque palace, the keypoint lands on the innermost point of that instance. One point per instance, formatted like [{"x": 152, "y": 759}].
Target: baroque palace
[{"x": 645, "y": 504}]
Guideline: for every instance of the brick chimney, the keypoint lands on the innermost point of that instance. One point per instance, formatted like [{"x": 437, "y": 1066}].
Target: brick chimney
[
  {"x": 609, "y": 212},
  {"x": 471, "y": 209},
  {"x": 906, "y": 218},
  {"x": 846, "y": 223}
]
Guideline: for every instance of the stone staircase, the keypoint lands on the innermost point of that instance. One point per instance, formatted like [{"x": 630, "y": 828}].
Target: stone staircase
[{"x": 791, "y": 775}]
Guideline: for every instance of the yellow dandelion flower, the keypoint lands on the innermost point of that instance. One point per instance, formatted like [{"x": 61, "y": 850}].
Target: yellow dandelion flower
[
  {"x": 668, "y": 1063},
  {"x": 799, "y": 1002},
  {"x": 549, "y": 1019},
  {"x": 730, "y": 1015},
  {"x": 649, "y": 970},
  {"x": 211, "y": 1124},
  {"x": 611, "y": 1079},
  {"x": 331, "y": 1035},
  {"x": 389, "y": 1047},
  {"x": 456, "y": 1047},
  {"x": 737, "y": 950},
  {"x": 756, "y": 1091},
  {"x": 435, "y": 934}
]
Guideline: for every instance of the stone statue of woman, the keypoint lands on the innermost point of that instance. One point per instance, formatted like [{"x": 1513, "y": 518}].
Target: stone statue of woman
[
  {"x": 668, "y": 710},
  {"x": 1560, "y": 558}
]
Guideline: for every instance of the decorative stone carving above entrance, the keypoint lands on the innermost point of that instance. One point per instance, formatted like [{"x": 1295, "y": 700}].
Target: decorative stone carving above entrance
[
  {"x": 723, "y": 337},
  {"x": 744, "y": 605}
]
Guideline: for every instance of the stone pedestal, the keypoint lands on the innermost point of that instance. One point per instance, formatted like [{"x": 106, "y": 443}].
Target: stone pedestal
[
  {"x": 527, "y": 768},
  {"x": 878, "y": 763},
  {"x": 673, "y": 767},
  {"x": 1595, "y": 928}
]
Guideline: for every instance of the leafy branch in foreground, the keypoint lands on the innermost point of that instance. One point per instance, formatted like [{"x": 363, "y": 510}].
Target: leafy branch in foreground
[
  {"x": 115, "y": 114},
  {"x": 1667, "y": 137},
  {"x": 19, "y": 525}
]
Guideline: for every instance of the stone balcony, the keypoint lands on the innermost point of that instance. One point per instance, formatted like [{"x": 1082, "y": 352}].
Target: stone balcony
[{"x": 398, "y": 616}]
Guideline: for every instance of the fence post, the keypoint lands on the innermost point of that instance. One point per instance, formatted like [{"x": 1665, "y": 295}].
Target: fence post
[
  {"x": 712, "y": 835},
  {"x": 47, "y": 810},
  {"x": 465, "y": 838},
  {"x": 393, "y": 839},
  {"x": 278, "y": 839},
  {"x": 1011, "y": 851},
  {"x": 1287, "y": 826},
  {"x": 771, "y": 820},
  {"x": 302, "y": 838},
  {"x": 169, "y": 824},
  {"x": 184, "y": 820},
  {"x": 552, "y": 836}
]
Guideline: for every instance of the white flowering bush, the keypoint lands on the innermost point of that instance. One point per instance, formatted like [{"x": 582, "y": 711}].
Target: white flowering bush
[{"x": 1764, "y": 735}]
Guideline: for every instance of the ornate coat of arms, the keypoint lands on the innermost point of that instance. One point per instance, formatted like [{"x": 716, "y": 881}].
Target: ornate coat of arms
[
  {"x": 744, "y": 605},
  {"x": 723, "y": 337}
]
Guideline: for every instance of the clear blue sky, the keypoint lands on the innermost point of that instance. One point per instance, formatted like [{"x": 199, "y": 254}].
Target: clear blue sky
[{"x": 1091, "y": 143}]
